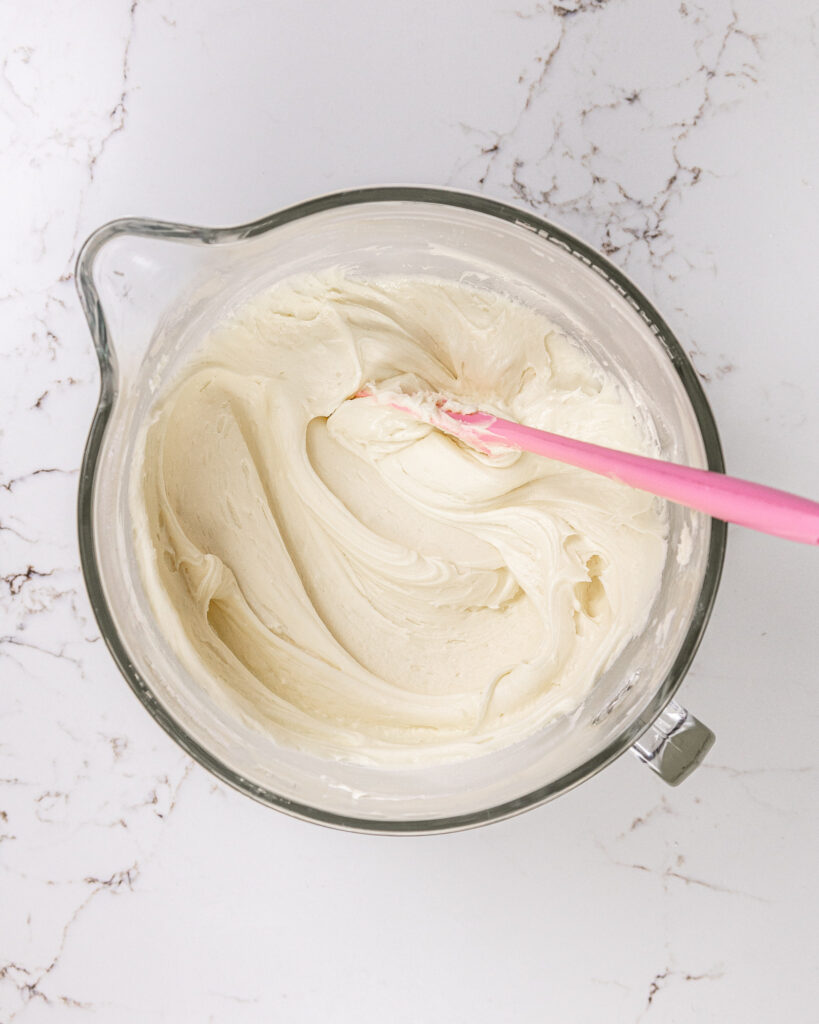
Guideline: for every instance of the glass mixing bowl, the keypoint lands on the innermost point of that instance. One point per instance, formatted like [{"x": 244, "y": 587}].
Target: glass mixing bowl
[{"x": 151, "y": 291}]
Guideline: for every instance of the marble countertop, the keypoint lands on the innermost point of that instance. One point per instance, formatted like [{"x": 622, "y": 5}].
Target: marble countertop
[{"x": 679, "y": 138}]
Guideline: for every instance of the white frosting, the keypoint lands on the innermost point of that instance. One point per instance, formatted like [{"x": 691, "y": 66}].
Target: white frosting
[{"x": 361, "y": 584}]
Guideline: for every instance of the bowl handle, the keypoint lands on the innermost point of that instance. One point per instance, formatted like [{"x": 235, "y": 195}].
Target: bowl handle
[{"x": 675, "y": 744}]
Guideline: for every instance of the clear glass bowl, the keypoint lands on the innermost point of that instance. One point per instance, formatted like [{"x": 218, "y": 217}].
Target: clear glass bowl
[{"x": 151, "y": 291}]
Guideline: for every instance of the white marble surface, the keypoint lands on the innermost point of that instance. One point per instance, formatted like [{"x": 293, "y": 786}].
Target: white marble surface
[{"x": 679, "y": 137}]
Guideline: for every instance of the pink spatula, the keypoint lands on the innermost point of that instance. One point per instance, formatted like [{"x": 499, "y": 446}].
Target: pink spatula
[{"x": 724, "y": 497}]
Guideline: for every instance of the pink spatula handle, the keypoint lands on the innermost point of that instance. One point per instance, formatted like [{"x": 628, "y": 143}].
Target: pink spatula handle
[{"x": 724, "y": 497}]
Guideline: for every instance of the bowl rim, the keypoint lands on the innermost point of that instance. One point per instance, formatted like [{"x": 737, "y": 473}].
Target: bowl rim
[{"x": 92, "y": 307}]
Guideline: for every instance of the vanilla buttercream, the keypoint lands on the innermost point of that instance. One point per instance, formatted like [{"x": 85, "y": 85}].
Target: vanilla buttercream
[{"x": 360, "y": 584}]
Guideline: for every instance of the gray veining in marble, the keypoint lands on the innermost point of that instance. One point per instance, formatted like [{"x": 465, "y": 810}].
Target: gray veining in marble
[{"x": 679, "y": 138}]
